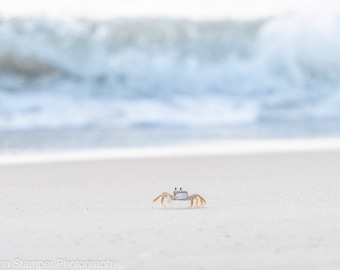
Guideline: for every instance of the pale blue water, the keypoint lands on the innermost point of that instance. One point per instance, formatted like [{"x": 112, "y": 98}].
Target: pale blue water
[{"x": 131, "y": 82}]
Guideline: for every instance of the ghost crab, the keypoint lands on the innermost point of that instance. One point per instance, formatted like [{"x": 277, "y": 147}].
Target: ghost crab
[{"x": 181, "y": 195}]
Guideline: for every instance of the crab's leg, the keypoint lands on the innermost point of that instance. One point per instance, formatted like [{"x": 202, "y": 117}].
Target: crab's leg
[
  {"x": 162, "y": 201},
  {"x": 199, "y": 200},
  {"x": 155, "y": 199},
  {"x": 191, "y": 202},
  {"x": 192, "y": 198},
  {"x": 196, "y": 201},
  {"x": 203, "y": 201}
]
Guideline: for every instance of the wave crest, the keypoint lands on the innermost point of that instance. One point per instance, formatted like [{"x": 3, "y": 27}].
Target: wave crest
[{"x": 275, "y": 68}]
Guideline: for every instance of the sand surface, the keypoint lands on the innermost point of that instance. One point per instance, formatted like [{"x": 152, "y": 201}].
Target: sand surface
[{"x": 264, "y": 211}]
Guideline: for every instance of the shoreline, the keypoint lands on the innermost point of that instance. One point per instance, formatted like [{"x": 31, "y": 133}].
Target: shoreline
[{"x": 214, "y": 148}]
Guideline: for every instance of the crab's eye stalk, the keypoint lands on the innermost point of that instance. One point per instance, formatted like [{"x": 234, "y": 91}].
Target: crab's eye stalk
[
  {"x": 175, "y": 188},
  {"x": 180, "y": 188}
]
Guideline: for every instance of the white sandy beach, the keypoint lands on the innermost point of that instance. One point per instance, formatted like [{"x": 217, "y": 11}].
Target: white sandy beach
[{"x": 265, "y": 210}]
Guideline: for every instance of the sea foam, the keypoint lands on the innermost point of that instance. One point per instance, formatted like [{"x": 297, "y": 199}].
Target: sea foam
[{"x": 123, "y": 73}]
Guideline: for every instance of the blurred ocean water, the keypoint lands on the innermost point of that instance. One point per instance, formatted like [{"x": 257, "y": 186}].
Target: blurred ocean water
[{"x": 122, "y": 74}]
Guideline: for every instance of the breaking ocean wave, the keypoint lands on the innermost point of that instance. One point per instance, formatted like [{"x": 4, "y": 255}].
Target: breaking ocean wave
[{"x": 125, "y": 73}]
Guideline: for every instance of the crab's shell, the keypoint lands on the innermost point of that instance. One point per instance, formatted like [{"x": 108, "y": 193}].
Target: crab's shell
[{"x": 181, "y": 195}]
